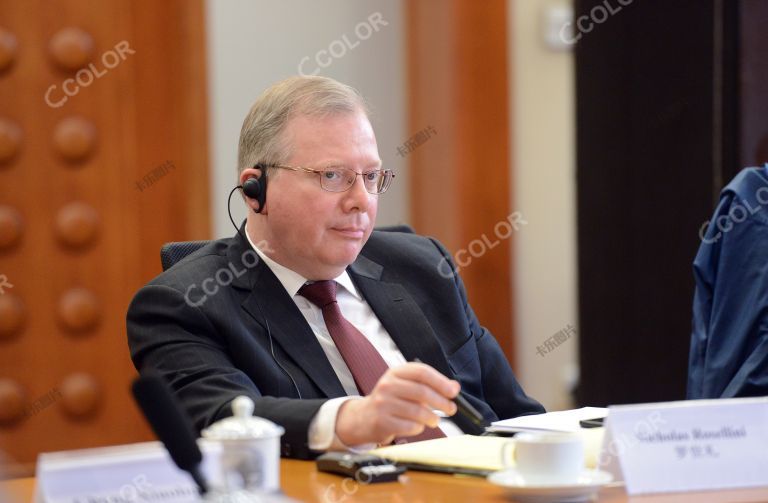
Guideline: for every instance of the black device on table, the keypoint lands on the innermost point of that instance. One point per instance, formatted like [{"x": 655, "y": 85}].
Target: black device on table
[
  {"x": 592, "y": 423},
  {"x": 365, "y": 468}
]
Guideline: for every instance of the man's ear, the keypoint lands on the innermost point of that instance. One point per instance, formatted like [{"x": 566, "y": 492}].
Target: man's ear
[
  {"x": 254, "y": 189},
  {"x": 249, "y": 173}
]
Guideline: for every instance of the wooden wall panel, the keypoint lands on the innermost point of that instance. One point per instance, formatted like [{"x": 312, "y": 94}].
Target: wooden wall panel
[
  {"x": 460, "y": 178},
  {"x": 143, "y": 182}
]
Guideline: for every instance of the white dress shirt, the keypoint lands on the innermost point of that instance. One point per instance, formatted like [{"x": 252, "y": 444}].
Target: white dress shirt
[{"x": 322, "y": 429}]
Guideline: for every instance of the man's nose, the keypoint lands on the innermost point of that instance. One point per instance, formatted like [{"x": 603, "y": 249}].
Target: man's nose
[{"x": 357, "y": 196}]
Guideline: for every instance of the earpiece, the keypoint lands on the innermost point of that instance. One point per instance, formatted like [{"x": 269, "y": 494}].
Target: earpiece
[
  {"x": 256, "y": 189},
  {"x": 252, "y": 188}
]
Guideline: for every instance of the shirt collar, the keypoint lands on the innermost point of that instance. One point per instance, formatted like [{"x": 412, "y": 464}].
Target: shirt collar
[{"x": 293, "y": 281}]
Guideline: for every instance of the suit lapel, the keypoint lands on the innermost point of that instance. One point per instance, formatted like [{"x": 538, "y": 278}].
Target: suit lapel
[
  {"x": 288, "y": 327},
  {"x": 398, "y": 312},
  {"x": 400, "y": 315}
]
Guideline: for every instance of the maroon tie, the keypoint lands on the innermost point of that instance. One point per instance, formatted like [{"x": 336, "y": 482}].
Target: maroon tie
[{"x": 364, "y": 361}]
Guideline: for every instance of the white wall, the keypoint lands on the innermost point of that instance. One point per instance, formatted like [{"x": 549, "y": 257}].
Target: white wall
[
  {"x": 254, "y": 43},
  {"x": 544, "y": 191}
]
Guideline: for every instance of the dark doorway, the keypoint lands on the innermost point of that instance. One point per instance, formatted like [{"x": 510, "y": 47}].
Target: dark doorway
[{"x": 671, "y": 104}]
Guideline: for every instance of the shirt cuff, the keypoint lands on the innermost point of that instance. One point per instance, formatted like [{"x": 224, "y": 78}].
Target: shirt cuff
[{"x": 322, "y": 428}]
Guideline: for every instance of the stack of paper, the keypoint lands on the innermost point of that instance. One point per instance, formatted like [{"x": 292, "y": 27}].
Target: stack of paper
[{"x": 564, "y": 420}]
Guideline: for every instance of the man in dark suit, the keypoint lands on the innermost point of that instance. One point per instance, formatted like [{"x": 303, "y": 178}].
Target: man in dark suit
[
  {"x": 729, "y": 340},
  {"x": 309, "y": 311}
]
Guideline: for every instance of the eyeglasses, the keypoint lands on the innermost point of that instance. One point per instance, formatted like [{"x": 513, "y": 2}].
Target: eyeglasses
[{"x": 340, "y": 179}]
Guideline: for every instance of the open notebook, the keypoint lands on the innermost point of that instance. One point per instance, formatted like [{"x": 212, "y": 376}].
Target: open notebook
[{"x": 469, "y": 454}]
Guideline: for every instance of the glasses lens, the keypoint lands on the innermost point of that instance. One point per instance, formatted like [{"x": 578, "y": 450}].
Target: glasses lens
[
  {"x": 337, "y": 179},
  {"x": 341, "y": 179},
  {"x": 372, "y": 180},
  {"x": 383, "y": 181}
]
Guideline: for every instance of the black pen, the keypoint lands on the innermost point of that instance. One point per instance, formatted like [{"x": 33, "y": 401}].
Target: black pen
[{"x": 464, "y": 407}]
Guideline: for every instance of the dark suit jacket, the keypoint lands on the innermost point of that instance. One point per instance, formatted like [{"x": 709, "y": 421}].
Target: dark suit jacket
[
  {"x": 216, "y": 325},
  {"x": 729, "y": 340}
]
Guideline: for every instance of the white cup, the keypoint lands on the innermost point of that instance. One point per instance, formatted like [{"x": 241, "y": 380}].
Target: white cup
[{"x": 546, "y": 457}]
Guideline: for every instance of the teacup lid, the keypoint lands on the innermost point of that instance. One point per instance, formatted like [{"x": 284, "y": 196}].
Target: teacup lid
[{"x": 243, "y": 424}]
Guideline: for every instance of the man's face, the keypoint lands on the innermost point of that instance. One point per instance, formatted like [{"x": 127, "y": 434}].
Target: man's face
[{"x": 310, "y": 230}]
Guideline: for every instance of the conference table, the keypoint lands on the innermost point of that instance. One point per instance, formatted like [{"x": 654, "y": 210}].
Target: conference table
[{"x": 300, "y": 480}]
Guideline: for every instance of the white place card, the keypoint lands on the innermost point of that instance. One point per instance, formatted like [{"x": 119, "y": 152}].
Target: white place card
[
  {"x": 119, "y": 474},
  {"x": 689, "y": 445}
]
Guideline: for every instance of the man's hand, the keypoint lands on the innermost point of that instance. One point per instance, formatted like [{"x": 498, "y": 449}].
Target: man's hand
[{"x": 400, "y": 405}]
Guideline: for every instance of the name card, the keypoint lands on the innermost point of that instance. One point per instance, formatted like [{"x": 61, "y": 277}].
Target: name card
[
  {"x": 688, "y": 445},
  {"x": 120, "y": 474}
]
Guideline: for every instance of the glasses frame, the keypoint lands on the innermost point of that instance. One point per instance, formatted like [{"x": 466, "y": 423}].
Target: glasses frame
[{"x": 336, "y": 168}]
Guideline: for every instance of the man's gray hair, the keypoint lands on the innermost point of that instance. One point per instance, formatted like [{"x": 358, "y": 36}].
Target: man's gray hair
[{"x": 261, "y": 137}]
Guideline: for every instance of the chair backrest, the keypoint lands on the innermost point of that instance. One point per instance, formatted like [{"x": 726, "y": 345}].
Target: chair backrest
[{"x": 170, "y": 253}]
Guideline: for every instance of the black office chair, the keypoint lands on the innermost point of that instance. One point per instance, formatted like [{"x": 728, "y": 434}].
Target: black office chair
[{"x": 170, "y": 253}]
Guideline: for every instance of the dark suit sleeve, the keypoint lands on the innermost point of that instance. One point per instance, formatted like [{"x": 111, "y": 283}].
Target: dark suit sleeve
[
  {"x": 729, "y": 341},
  {"x": 500, "y": 388},
  {"x": 174, "y": 338}
]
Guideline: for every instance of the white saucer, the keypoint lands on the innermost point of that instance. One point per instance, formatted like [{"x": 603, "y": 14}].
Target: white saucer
[{"x": 550, "y": 489}]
